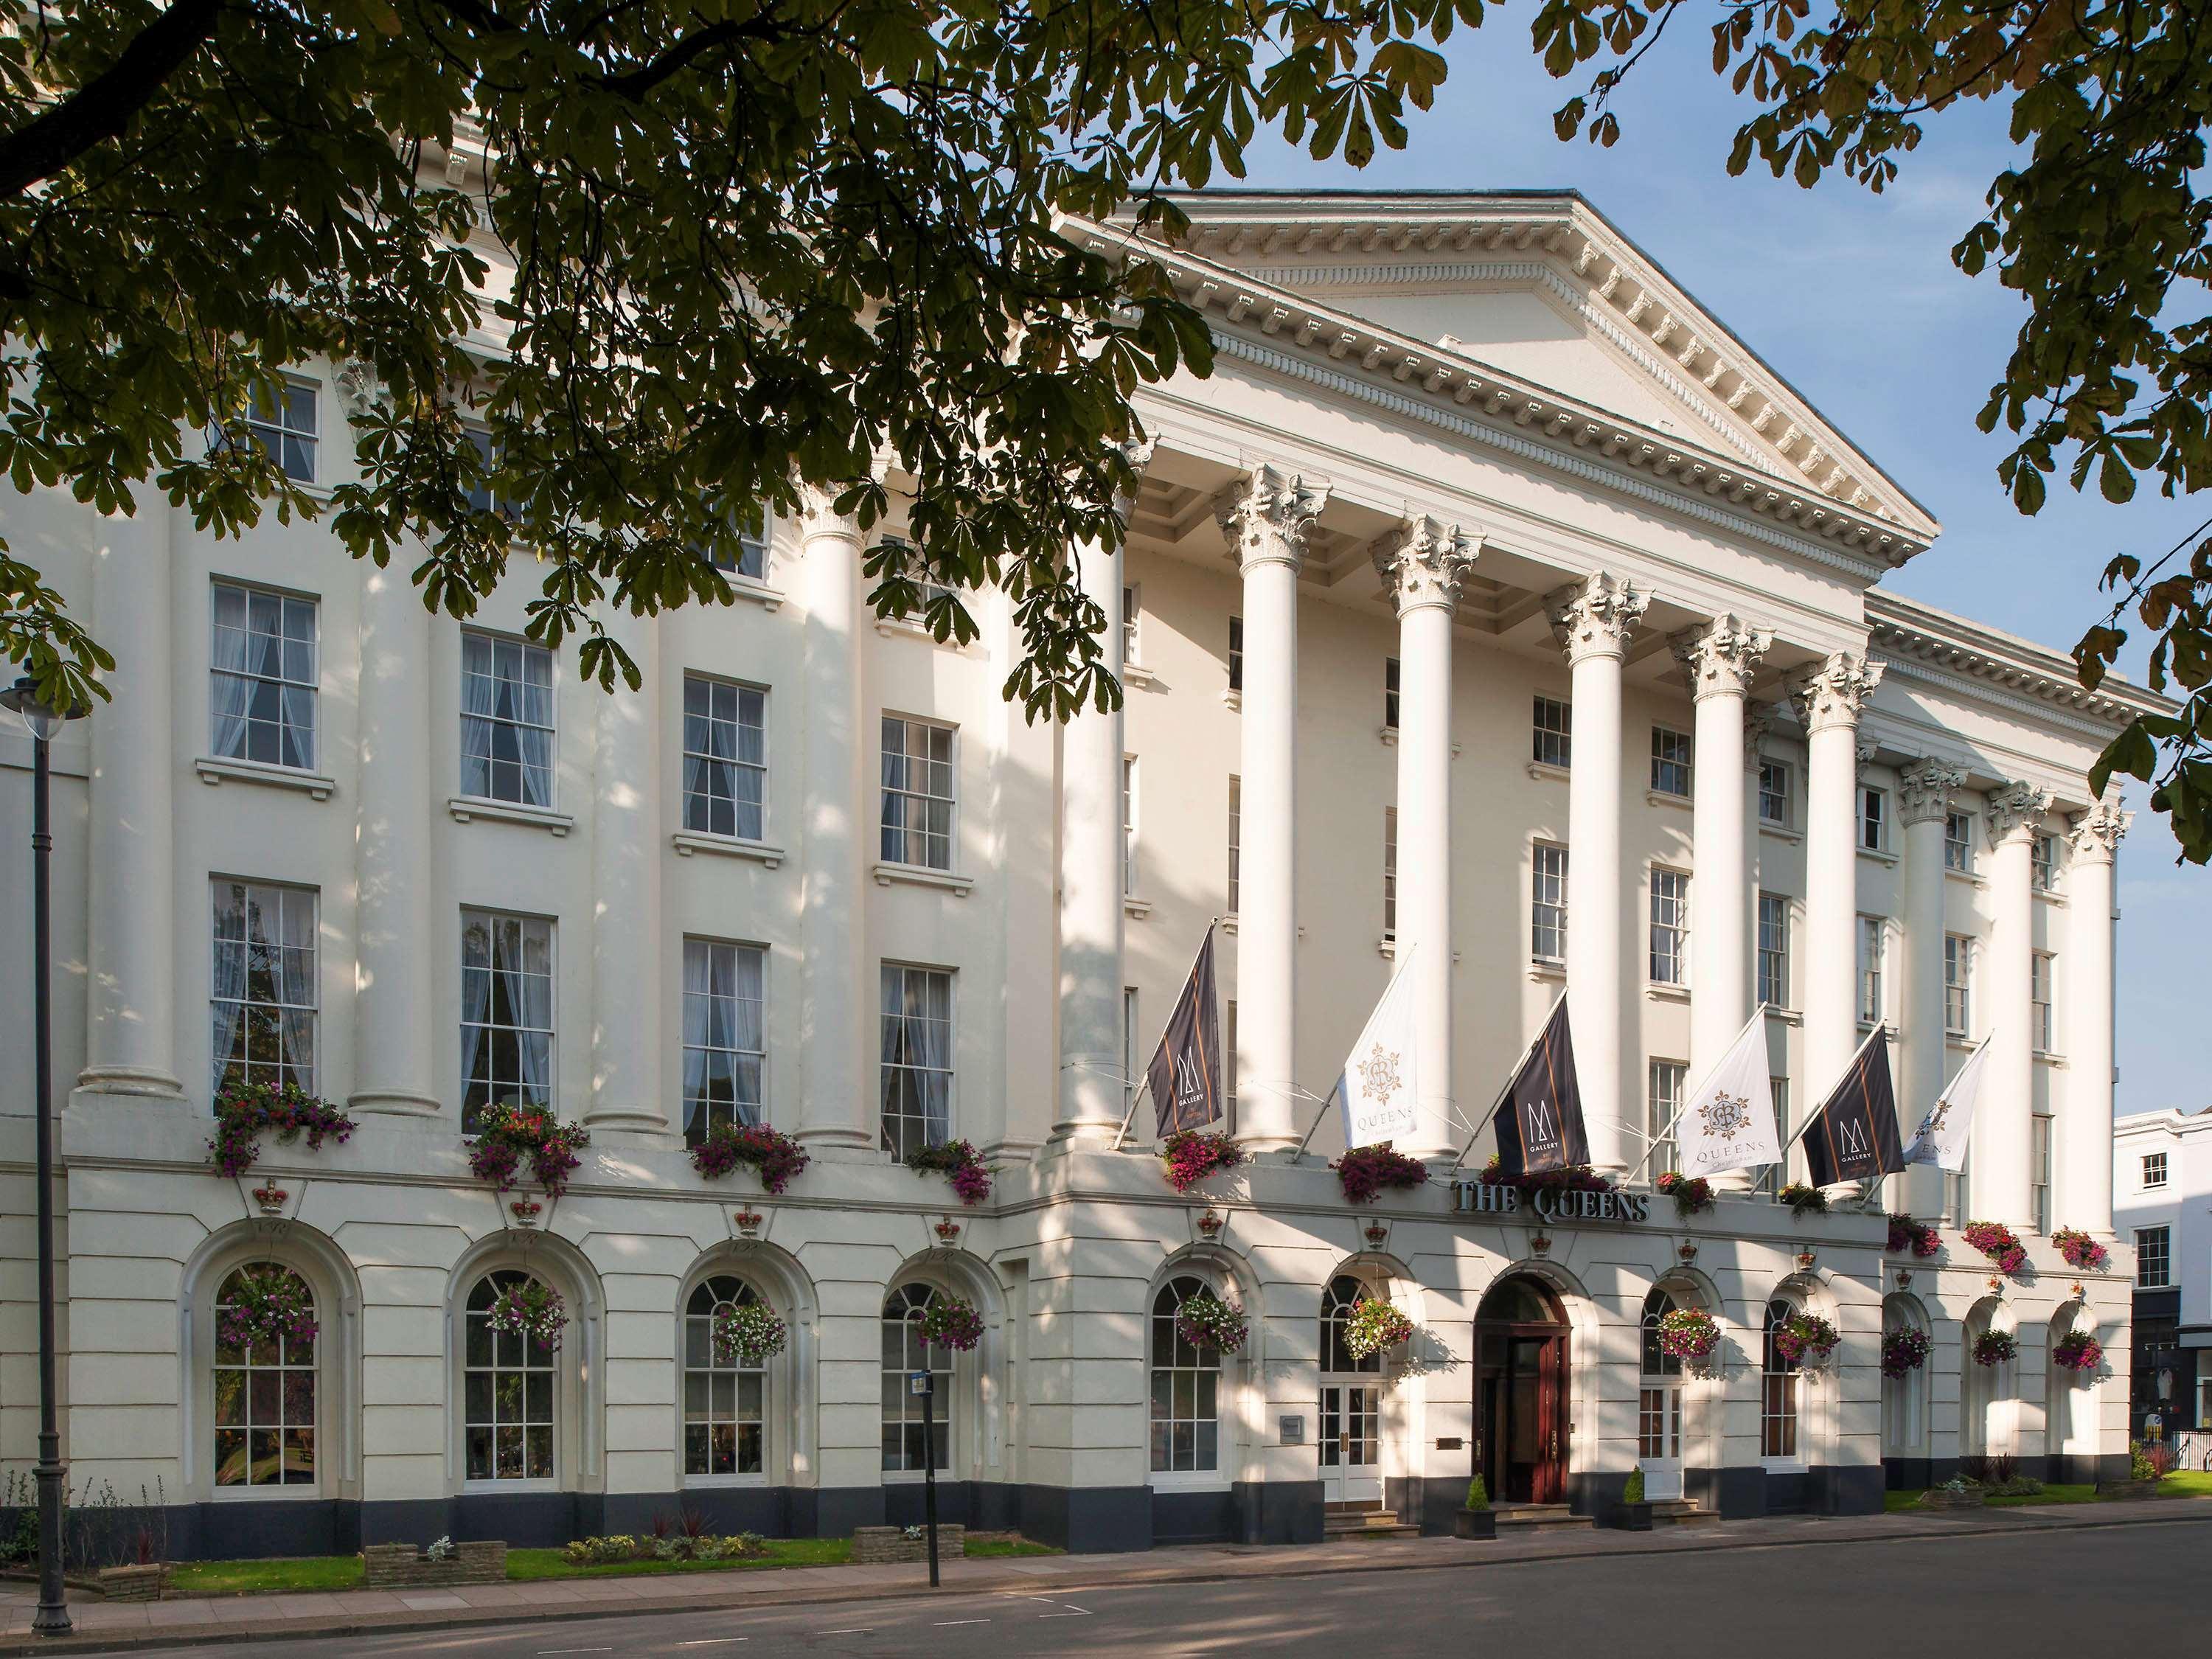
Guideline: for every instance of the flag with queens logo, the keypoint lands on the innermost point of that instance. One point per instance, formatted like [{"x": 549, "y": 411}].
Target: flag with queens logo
[
  {"x": 1378, "y": 1083},
  {"x": 1728, "y": 1122}
]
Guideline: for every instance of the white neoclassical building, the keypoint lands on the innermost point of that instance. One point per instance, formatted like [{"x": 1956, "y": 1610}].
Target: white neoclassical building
[{"x": 1492, "y": 604}]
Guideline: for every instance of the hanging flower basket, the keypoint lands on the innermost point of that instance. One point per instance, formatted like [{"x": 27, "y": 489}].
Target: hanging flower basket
[
  {"x": 971, "y": 1176},
  {"x": 1907, "y": 1234},
  {"x": 1365, "y": 1171},
  {"x": 1373, "y": 1325},
  {"x": 776, "y": 1156},
  {"x": 1995, "y": 1348},
  {"x": 266, "y": 1304},
  {"x": 1803, "y": 1200},
  {"x": 244, "y": 1112},
  {"x": 1575, "y": 1178},
  {"x": 951, "y": 1321},
  {"x": 1691, "y": 1194},
  {"x": 1904, "y": 1350},
  {"x": 1192, "y": 1155},
  {"x": 1209, "y": 1323},
  {"x": 506, "y": 1134},
  {"x": 1806, "y": 1339},
  {"x": 1997, "y": 1241},
  {"x": 530, "y": 1310},
  {"x": 2080, "y": 1251},
  {"x": 1688, "y": 1334},
  {"x": 746, "y": 1333},
  {"x": 2077, "y": 1351}
]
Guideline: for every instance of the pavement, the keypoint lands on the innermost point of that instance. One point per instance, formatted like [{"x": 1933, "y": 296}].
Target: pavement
[{"x": 516, "y": 1616}]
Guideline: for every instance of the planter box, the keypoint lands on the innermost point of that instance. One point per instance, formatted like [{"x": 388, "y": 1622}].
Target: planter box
[
  {"x": 404, "y": 1566},
  {"x": 1940, "y": 1498},
  {"x": 1474, "y": 1523},
  {"x": 2127, "y": 1489},
  {"x": 134, "y": 1583},
  {"x": 1632, "y": 1517},
  {"x": 876, "y": 1546}
]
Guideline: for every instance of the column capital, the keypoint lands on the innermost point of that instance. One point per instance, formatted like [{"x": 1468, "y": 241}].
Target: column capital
[
  {"x": 819, "y": 514},
  {"x": 1835, "y": 693},
  {"x": 1267, "y": 514},
  {"x": 1423, "y": 562},
  {"x": 1924, "y": 788},
  {"x": 1722, "y": 656},
  {"x": 1138, "y": 452},
  {"x": 1757, "y": 719},
  {"x": 362, "y": 387},
  {"x": 2096, "y": 833},
  {"x": 2016, "y": 810},
  {"x": 1594, "y": 616}
]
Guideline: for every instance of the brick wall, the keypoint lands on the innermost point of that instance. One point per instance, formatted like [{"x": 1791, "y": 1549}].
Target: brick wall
[
  {"x": 404, "y": 1566},
  {"x": 876, "y": 1546}
]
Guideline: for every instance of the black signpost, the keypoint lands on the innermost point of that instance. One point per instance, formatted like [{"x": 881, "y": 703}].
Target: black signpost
[{"x": 924, "y": 1384}]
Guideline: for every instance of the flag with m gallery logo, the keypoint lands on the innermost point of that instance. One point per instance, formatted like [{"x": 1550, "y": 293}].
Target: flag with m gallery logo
[
  {"x": 1185, "y": 1075},
  {"x": 1540, "y": 1125},
  {"x": 1854, "y": 1137}
]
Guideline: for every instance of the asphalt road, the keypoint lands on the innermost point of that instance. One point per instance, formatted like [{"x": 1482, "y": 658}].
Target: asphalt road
[{"x": 2118, "y": 1591}]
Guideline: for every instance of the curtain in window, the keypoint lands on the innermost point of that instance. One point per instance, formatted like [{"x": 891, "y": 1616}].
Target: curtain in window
[
  {"x": 698, "y": 748},
  {"x": 298, "y": 937},
  {"x": 699, "y": 1024},
  {"x": 475, "y": 993},
  {"x": 230, "y": 687},
  {"x": 525, "y": 966},
  {"x": 745, "y": 1035},
  {"x": 530, "y": 698},
  {"x": 935, "y": 999},
  {"x": 479, "y": 701},
  {"x": 227, "y": 1008}
]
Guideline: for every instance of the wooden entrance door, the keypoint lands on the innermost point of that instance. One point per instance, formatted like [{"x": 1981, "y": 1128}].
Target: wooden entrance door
[{"x": 1520, "y": 1405}]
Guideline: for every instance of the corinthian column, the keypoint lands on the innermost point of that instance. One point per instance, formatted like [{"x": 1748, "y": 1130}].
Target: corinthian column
[
  {"x": 1720, "y": 659},
  {"x": 1592, "y": 620},
  {"x": 627, "y": 850},
  {"x": 1829, "y": 701},
  {"x": 1924, "y": 795},
  {"x": 1265, "y": 518},
  {"x": 1422, "y": 564},
  {"x": 2003, "y": 1179},
  {"x": 2083, "y": 1179}
]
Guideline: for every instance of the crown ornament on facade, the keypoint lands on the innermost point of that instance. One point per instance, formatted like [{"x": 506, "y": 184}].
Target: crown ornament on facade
[
  {"x": 1836, "y": 693},
  {"x": 2096, "y": 833},
  {"x": 1722, "y": 657},
  {"x": 1266, "y": 516},
  {"x": 1593, "y": 617},
  {"x": 2016, "y": 809},
  {"x": 1423, "y": 562},
  {"x": 1925, "y": 788}
]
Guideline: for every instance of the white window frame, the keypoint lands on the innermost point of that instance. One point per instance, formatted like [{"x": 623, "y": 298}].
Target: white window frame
[
  {"x": 1668, "y": 961},
  {"x": 1235, "y": 837},
  {"x": 274, "y": 424},
  {"x": 2041, "y": 1131},
  {"x": 696, "y": 1341},
  {"x": 2153, "y": 1172},
  {"x": 1673, "y": 752},
  {"x": 285, "y": 1364},
  {"x": 1874, "y": 819},
  {"x": 1390, "y": 873},
  {"x": 1872, "y": 970},
  {"x": 2043, "y": 1000},
  {"x": 1771, "y": 951},
  {"x": 735, "y": 948},
  {"x": 551, "y": 1031},
  {"x": 1958, "y": 985},
  {"x": 1959, "y": 842},
  {"x": 285, "y": 896},
  {"x": 555, "y": 1367},
  {"x": 1553, "y": 739},
  {"x": 1236, "y": 655},
  {"x": 528, "y": 652},
  {"x": 1771, "y": 1366},
  {"x": 305, "y": 683},
  {"x": 1133, "y": 611},
  {"x": 1548, "y": 914},
  {"x": 942, "y": 1363},
  {"x": 744, "y": 695},
  {"x": 909, "y": 724},
  {"x": 1665, "y": 1082},
  {"x": 886, "y": 1069},
  {"x": 1779, "y": 794},
  {"x": 2046, "y": 860},
  {"x": 1128, "y": 826},
  {"x": 2163, "y": 1233},
  {"x": 1131, "y": 1080},
  {"x": 1215, "y": 1476},
  {"x": 1393, "y": 689}
]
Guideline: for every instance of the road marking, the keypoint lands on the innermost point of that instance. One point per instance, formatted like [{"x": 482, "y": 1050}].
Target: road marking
[
  {"x": 719, "y": 1641},
  {"x": 942, "y": 1623},
  {"x": 544, "y": 1651},
  {"x": 850, "y": 1630},
  {"x": 1077, "y": 1613}
]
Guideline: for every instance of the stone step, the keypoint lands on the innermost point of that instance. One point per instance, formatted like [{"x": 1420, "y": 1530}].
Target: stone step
[
  {"x": 1343, "y": 1523},
  {"x": 1680, "y": 1512},
  {"x": 1539, "y": 1517}
]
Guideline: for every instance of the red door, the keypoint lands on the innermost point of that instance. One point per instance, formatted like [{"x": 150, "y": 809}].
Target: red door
[{"x": 1550, "y": 1481}]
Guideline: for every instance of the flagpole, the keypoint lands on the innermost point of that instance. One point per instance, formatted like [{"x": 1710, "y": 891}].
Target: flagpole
[
  {"x": 1512, "y": 1072},
  {"x": 1135, "y": 1095},
  {"x": 1313, "y": 1128}
]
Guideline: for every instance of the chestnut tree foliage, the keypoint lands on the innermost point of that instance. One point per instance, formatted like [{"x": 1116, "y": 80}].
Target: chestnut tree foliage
[{"x": 757, "y": 245}]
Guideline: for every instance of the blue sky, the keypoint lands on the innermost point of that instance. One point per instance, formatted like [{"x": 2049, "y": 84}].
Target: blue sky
[{"x": 1853, "y": 297}]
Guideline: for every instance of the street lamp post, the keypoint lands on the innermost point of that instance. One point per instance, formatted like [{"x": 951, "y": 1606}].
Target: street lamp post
[{"x": 45, "y": 721}]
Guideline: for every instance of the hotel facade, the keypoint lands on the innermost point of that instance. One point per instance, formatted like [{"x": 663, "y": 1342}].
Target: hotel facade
[{"x": 1491, "y": 608}]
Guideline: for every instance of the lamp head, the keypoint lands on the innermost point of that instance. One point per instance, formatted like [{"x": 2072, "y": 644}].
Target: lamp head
[{"x": 44, "y": 719}]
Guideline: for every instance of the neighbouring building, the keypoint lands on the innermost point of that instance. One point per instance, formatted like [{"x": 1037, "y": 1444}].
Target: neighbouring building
[
  {"x": 2162, "y": 1181},
  {"x": 1491, "y": 603}
]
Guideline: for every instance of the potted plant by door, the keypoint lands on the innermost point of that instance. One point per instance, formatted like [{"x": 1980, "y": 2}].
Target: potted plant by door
[
  {"x": 1478, "y": 1519},
  {"x": 1634, "y": 1514}
]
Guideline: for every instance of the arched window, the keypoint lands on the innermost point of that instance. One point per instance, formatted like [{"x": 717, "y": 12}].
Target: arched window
[
  {"x": 1777, "y": 1420},
  {"x": 265, "y": 1392},
  {"x": 1186, "y": 1389},
  {"x": 1336, "y": 1303},
  {"x": 1657, "y": 1362},
  {"x": 508, "y": 1390},
  {"x": 1659, "y": 1393},
  {"x": 1904, "y": 1397},
  {"x": 904, "y": 1351},
  {"x": 725, "y": 1404}
]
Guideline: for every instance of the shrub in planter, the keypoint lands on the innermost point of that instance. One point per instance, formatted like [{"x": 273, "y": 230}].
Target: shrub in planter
[
  {"x": 1365, "y": 1171},
  {"x": 1633, "y": 1491},
  {"x": 1907, "y": 1234},
  {"x": 746, "y": 1333},
  {"x": 2147, "y": 1461},
  {"x": 776, "y": 1156},
  {"x": 1804, "y": 1200},
  {"x": 244, "y": 1112},
  {"x": 530, "y": 1309},
  {"x": 266, "y": 1305},
  {"x": 1191, "y": 1155},
  {"x": 1689, "y": 1333},
  {"x": 951, "y": 1321},
  {"x": 1478, "y": 1494},
  {"x": 1210, "y": 1324},
  {"x": 2077, "y": 1351},
  {"x": 1904, "y": 1350},
  {"x": 970, "y": 1175},
  {"x": 1806, "y": 1339},
  {"x": 1995, "y": 1348},
  {"x": 2077, "y": 1249},
  {"x": 506, "y": 1134},
  {"x": 1691, "y": 1194},
  {"x": 1997, "y": 1241},
  {"x": 1374, "y": 1326}
]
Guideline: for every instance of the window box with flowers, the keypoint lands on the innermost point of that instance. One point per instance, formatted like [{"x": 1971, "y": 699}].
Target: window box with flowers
[
  {"x": 776, "y": 1157},
  {"x": 959, "y": 1160},
  {"x": 1997, "y": 1241},
  {"x": 1373, "y": 1325},
  {"x": 506, "y": 1134},
  {"x": 1210, "y": 1324},
  {"x": 1365, "y": 1172},
  {"x": 1691, "y": 1193},
  {"x": 1803, "y": 1200},
  {"x": 1904, "y": 1350},
  {"x": 1575, "y": 1178},
  {"x": 244, "y": 1112},
  {"x": 2080, "y": 1251},
  {"x": 1806, "y": 1339},
  {"x": 1907, "y": 1234},
  {"x": 1191, "y": 1155},
  {"x": 1689, "y": 1334},
  {"x": 2077, "y": 1351},
  {"x": 1995, "y": 1348}
]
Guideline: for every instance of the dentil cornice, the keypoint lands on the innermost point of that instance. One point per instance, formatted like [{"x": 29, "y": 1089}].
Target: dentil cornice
[
  {"x": 2016, "y": 809},
  {"x": 1722, "y": 657},
  {"x": 1836, "y": 693},
  {"x": 1594, "y": 616},
  {"x": 1924, "y": 788},
  {"x": 2096, "y": 833},
  {"x": 1424, "y": 561},
  {"x": 1267, "y": 514}
]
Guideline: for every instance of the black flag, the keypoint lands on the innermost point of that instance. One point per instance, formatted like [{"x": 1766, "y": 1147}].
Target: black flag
[
  {"x": 1541, "y": 1124},
  {"x": 1185, "y": 1074},
  {"x": 1854, "y": 1135}
]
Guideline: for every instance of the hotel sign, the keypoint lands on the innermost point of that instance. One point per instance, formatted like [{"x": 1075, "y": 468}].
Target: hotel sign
[{"x": 1552, "y": 1205}]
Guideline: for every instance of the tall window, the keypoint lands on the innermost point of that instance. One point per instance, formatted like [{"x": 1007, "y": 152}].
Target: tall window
[
  {"x": 1668, "y": 1077},
  {"x": 1132, "y": 615},
  {"x": 1128, "y": 824},
  {"x": 1905, "y": 1399},
  {"x": 281, "y": 417},
  {"x": 1236, "y": 654},
  {"x": 724, "y": 1046},
  {"x": 917, "y": 1058},
  {"x": 1236, "y": 832},
  {"x": 2043, "y": 1026},
  {"x": 1555, "y": 733},
  {"x": 1390, "y": 692},
  {"x": 2153, "y": 1171},
  {"x": 1767, "y": 1183},
  {"x": 1186, "y": 1417},
  {"x": 506, "y": 1012},
  {"x": 724, "y": 1401},
  {"x": 1872, "y": 939},
  {"x": 2038, "y": 1165},
  {"x": 2153, "y": 1258},
  {"x": 264, "y": 1396},
  {"x": 1389, "y": 873},
  {"x": 507, "y": 720},
  {"x": 1774, "y": 950},
  {"x": 1670, "y": 761},
  {"x": 1773, "y": 792},
  {"x": 905, "y": 1448},
  {"x": 751, "y": 560},
  {"x": 918, "y": 793},
  {"x": 1777, "y": 1419},
  {"x": 1548, "y": 941},
  {"x": 507, "y": 1383},
  {"x": 1670, "y": 926},
  {"x": 1337, "y": 1302},
  {"x": 1229, "y": 1062},
  {"x": 1959, "y": 841},
  {"x": 1131, "y": 1061},
  {"x": 261, "y": 687},
  {"x": 2043, "y": 863},
  {"x": 1958, "y": 984},
  {"x": 1874, "y": 820},
  {"x": 725, "y": 758},
  {"x": 262, "y": 996},
  {"x": 1659, "y": 1400}
]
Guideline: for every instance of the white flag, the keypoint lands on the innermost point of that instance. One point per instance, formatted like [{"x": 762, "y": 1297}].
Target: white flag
[
  {"x": 1728, "y": 1121},
  {"x": 1950, "y": 1121},
  {"x": 1378, "y": 1085}
]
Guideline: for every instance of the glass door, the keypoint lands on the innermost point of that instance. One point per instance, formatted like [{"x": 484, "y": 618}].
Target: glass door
[{"x": 1351, "y": 1443}]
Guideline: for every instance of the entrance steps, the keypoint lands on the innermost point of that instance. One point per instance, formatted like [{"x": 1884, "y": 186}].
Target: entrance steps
[
  {"x": 1515, "y": 1519},
  {"x": 1342, "y": 1521},
  {"x": 1680, "y": 1512}
]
